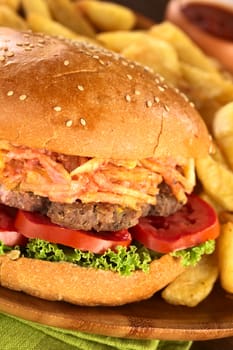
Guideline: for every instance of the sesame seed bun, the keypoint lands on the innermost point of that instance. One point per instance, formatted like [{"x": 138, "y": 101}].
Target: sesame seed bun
[
  {"x": 78, "y": 99},
  {"x": 86, "y": 286},
  {"x": 213, "y": 45}
]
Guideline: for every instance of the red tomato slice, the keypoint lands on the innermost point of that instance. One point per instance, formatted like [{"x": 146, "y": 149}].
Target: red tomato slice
[
  {"x": 195, "y": 223},
  {"x": 8, "y": 234},
  {"x": 33, "y": 225}
]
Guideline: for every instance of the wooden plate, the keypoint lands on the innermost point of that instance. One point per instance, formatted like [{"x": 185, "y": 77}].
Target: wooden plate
[{"x": 149, "y": 319}]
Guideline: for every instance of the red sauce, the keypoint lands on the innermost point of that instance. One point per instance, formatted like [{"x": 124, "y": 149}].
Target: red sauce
[{"x": 213, "y": 19}]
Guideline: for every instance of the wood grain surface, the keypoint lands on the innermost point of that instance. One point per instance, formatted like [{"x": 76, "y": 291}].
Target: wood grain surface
[{"x": 150, "y": 319}]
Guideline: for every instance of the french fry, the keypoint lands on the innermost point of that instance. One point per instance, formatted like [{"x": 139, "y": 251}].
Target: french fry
[
  {"x": 69, "y": 16},
  {"x": 39, "y": 7},
  {"x": 206, "y": 85},
  {"x": 120, "y": 39},
  {"x": 194, "y": 284},
  {"x": 107, "y": 16},
  {"x": 14, "y": 4},
  {"x": 156, "y": 54},
  {"x": 9, "y": 18},
  {"x": 41, "y": 24},
  {"x": 44, "y": 25},
  {"x": 225, "y": 254},
  {"x": 223, "y": 131},
  {"x": 217, "y": 180},
  {"x": 187, "y": 50}
]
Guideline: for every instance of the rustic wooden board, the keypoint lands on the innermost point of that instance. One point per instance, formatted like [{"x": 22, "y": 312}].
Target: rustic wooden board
[{"x": 149, "y": 319}]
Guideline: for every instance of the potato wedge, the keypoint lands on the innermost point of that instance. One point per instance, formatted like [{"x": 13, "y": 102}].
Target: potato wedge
[
  {"x": 194, "y": 284},
  {"x": 41, "y": 24},
  {"x": 156, "y": 54},
  {"x": 107, "y": 16},
  {"x": 187, "y": 50},
  {"x": 223, "y": 131},
  {"x": 67, "y": 14},
  {"x": 14, "y": 4},
  {"x": 39, "y": 6},
  {"x": 225, "y": 254},
  {"x": 9, "y": 18},
  {"x": 120, "y": 39},
  {"x": 217, "y": 181}
]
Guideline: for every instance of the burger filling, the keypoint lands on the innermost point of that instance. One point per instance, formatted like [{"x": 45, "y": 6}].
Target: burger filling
[{"x": 89, "y": 203}]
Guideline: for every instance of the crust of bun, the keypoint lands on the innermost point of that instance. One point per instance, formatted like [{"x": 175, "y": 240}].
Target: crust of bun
[
  {"x": 78, "y": 99},
  {"x": 219, "y": 48},
  {"x": 86, "y": 286}
]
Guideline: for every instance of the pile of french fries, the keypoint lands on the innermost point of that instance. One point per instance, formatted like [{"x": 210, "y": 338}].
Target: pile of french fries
[{"x": 168, "y": 51}]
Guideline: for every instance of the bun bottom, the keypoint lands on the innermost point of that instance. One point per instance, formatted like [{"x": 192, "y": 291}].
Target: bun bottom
[{"x": 86, "y": 286}]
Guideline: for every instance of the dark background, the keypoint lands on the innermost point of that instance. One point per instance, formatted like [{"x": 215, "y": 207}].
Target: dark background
[
  {"x": 154, "y": 9},
  {"x": 151, "y": 8}
]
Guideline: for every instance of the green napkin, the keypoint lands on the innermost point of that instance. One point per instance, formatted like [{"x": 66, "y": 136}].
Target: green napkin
[{"x": 19, "y": 334}]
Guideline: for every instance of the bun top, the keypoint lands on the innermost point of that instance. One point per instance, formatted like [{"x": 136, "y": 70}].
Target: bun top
[{"x": 78, "y": 99}]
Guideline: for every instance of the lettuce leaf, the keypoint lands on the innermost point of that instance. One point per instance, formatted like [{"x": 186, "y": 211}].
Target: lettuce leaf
[
  {"x": 4, "y": 248},
  {"x": 191, "y": 256},
  {"x": 123, "y": 260}
]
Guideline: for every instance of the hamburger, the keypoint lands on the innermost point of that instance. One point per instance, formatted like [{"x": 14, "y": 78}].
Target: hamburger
[{"x": 97, "y": 158}]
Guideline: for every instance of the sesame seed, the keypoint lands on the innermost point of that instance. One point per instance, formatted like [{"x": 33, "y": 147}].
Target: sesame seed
[
  {"x": 69, "y": 123},
  {"x": 128, "y": 98},
  {"x": 27, "y": 49},
  {"x": 40, "y": 45},
  {"x": 149, "y": 103},
  {"x": 10, "y": 54},
  {"x": 41, "y": 41},
  {"x": 156, "y": 99},
  {"x": 66, "y": 62},
  {"x": 2, "y": 58},
  {"x": 137, "y": 92},
  {"x": 132, "y": 65},
  {"x": 125, "y": 63},
  {"x": 161, "y": 88},
  {"x": 157, "y": 80},
  {"x": 57, "y": 108},
  {"x": 184, "y": 96},
  {"x": 80, "y": 87},
  {"x": 101, "y": 62},
  {"x": 166, "y": 108},
  {"x": 96, "y": 57},
  {"x": 22, "y": 97},
  {"x": 26, "y": 43},
  {"x": 10, "y": 93},
  {"x": 83, "y": 122},
  {"x": 19, "y": 44},
  {"x": 129, "y": 77},
  {"x": 192, "y": 104}
]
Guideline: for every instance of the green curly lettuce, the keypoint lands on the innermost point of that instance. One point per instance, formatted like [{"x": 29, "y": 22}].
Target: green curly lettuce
[
  {"x": 191, "y": 256},
  {"x": 123, "y": 260},
  {"x": 4, "y": 248}
]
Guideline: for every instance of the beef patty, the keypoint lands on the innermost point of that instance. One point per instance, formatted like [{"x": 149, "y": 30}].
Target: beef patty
[{"x": 90, "y": 216}]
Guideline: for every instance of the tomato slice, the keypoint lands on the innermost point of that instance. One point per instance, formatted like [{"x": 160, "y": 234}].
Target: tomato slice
[
  {"x": 8, "y": 234},
  {"x": 33, "y": 225},
  {"x": 195, "y": 223}
]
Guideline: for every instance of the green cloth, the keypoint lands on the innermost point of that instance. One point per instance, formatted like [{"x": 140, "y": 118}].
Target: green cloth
[{"x": 19, "y": 334}]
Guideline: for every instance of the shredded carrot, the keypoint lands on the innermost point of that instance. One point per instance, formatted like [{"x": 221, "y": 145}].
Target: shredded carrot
[{"x": 127, "y": 183}]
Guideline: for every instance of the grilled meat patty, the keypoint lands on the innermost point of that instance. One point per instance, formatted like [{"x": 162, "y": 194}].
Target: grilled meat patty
[{"x": 90, "y": 216}]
